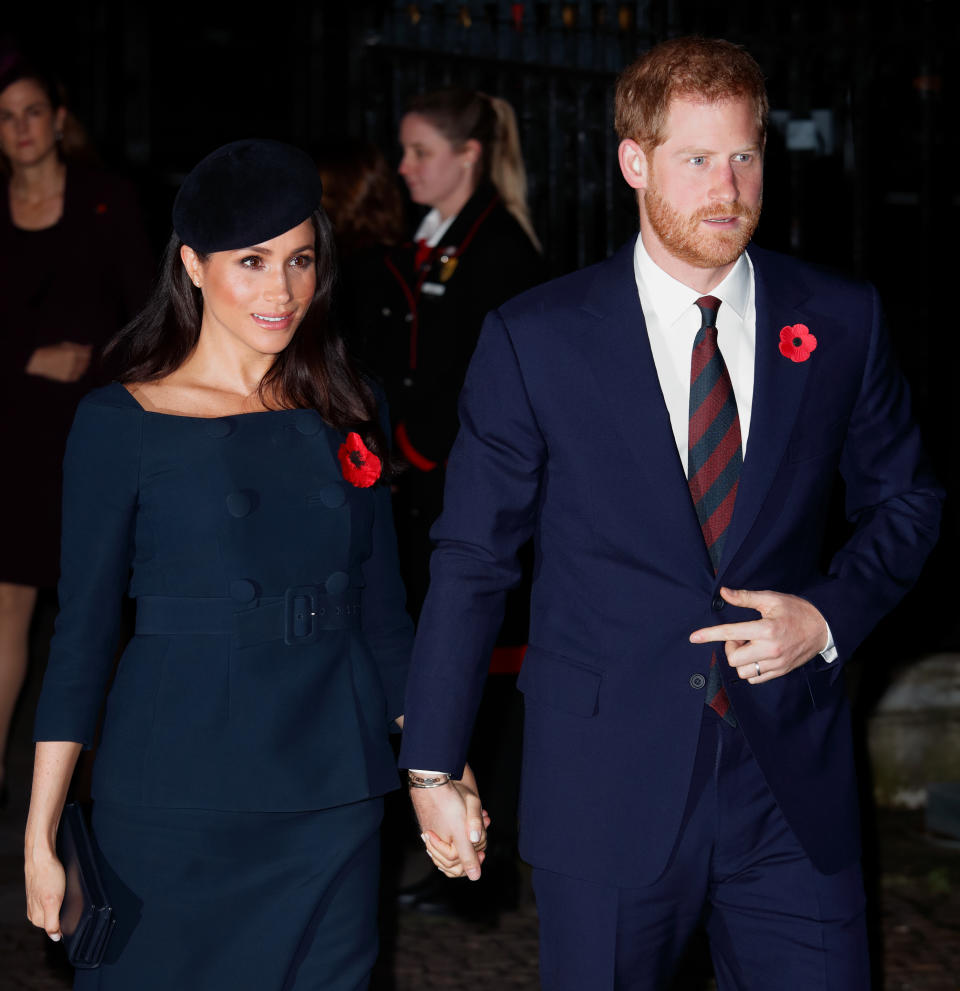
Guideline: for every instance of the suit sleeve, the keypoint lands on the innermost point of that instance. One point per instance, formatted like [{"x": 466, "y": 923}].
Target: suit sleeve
[
  {"x": 892, "y": 498},
  {"x": 100, "y": 486},
  {"x": 386, "y": 624},
  {"x": 490, "y": 509}
]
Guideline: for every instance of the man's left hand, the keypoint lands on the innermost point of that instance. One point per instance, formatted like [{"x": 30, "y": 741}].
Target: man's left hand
[{"x": 789, "y": 632}]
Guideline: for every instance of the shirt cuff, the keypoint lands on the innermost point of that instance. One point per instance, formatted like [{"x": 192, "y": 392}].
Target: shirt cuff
[{"x": 829, "y": 653}]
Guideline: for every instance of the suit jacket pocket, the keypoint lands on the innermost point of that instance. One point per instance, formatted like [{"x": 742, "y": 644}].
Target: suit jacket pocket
[
  {"x": 817, "y": 441},
  {"x": 560, "y": 683}
]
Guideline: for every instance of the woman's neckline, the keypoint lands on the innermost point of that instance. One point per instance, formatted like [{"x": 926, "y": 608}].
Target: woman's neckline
[
  {"x": 193, "y": 416},
  {"x": 49, "y": 227}
]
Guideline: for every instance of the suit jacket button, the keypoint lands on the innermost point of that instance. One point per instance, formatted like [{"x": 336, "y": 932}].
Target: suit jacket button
[
  {"x": 332, "y": 495},
  {"x": 308, "y": 422},
  {"x": 242, "y": 590},
  {"x": 221, "y": 426},
  {"x": 338, "y": 582},
  {"x": 718, "y": 604},
  {"x": 240, "y": 504},
  {"x": 697, "y": 681}
]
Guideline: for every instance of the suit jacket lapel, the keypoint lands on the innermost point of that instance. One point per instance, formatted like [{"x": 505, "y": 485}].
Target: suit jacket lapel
[
  {"x": 619, "y": 357},
  {"x": 777, "y": 390}
]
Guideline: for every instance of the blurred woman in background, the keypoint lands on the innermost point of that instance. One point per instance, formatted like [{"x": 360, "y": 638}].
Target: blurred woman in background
[
  {"x": 473, "y": 249},
  {"x": 362, "y": 198},
  {"x": 74, "y": 267}
]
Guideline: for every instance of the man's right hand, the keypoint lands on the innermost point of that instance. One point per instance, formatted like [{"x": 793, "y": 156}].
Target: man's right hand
[{"x": 453, "y": 825}]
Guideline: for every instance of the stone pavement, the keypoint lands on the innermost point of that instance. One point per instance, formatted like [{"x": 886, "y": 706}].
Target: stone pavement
[{"x": 916, "y": 886}]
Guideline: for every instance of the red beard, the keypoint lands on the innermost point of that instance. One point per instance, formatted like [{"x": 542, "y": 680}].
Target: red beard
[{"x": 685, "y": 238}]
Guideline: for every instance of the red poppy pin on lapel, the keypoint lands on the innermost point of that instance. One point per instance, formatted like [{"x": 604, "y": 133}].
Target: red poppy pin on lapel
[
  {"x": 361, "y": 467},
  {"x": 796, "y": 342}
]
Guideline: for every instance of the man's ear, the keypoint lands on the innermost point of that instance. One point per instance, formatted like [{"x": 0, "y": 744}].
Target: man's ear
[{"x": 633, "y": 164}]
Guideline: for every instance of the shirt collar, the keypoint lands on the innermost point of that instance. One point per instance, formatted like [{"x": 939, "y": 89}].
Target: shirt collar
[
  {"x": 670, "y": 298},
  {"x": 432, "y": 228}
]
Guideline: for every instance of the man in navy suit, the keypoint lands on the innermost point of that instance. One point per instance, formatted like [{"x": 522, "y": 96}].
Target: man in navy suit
[{"x": 668, "y": 425}]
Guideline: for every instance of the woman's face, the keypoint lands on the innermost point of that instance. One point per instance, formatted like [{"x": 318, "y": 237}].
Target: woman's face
[
  {"x": 28, "y": 124},
  {"x": 255, "y": 298},
  {"x": 437, "y": 174}
]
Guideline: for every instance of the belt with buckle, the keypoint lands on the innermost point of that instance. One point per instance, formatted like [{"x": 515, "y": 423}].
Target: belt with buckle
[{"x": 299, "y": 616}]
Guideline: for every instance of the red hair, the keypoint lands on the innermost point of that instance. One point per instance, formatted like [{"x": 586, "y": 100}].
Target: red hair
[{"x": 706, "y": 69}]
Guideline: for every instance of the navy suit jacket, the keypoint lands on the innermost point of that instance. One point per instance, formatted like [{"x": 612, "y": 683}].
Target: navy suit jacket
[{"x": 565, "y": 437}]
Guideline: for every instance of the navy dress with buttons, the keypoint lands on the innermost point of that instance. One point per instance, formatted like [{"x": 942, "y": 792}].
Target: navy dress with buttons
[{"x": 245, "y": 744}]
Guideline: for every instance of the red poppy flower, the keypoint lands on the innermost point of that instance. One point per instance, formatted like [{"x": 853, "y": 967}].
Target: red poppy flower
[
  {"x": 361, "y": 467},
  {"x": 797, "y": 342}
]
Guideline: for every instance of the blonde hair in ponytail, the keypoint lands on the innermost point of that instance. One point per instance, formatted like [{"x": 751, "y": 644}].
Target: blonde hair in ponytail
[
  {"x": 464, "y": 115},
  {"x": 507, "y": 172}
]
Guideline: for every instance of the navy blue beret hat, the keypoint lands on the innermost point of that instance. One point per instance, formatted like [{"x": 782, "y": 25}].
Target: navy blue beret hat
[{"x": 244, "y": 193}]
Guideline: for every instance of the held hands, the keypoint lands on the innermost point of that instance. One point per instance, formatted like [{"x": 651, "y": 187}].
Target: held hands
[
  {"x": 454, "y": 825},
  {"x": 63, "y": 362},
  {"x": 46, "y": 883},
  {"x": 789, "y": 632}
]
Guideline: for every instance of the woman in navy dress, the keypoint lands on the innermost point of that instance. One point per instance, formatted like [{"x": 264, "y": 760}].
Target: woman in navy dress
[{"x": 231, "y": 482}]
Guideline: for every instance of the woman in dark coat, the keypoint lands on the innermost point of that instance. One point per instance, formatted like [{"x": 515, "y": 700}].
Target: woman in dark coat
[
  {"x": 232, "y": 482},
  {"x": 474, "y": 248},
  {"x": 74, "y": 267}
]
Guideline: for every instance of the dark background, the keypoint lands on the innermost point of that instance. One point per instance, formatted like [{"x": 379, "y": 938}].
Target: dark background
[
  {"x": 861, "y": 168},
  {"x": 861, "y": 163}
]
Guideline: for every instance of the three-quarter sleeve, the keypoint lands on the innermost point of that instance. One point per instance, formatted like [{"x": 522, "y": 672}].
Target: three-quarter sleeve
[
  {"x": 101, "y": 478},
  {"x": 386, "y": 624}
]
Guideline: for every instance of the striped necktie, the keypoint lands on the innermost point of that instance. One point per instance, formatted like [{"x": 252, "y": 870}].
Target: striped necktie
[{"x": 714, "y": 459}]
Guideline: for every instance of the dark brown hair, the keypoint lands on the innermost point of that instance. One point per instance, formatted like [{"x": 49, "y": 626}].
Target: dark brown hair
[
  {"x": 361, "y": 197},
  {"x": 73, "y": 143},
  {"x": 312, "y": 372},
  {"x": 707, "y": 69}
]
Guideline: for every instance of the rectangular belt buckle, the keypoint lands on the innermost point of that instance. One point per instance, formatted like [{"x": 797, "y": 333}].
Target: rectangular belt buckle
[{"x": 301, "y": 612}]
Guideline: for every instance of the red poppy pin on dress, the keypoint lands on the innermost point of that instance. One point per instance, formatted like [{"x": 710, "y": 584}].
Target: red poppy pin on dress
[
  {"x": 797, "y": 342},
  {"x": 361, "y": 467}
]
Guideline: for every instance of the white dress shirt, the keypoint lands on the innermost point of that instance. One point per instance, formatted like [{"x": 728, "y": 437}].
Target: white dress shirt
[
  {"x": 432, "y": 228},
  {"x": 673, "y": 319}
]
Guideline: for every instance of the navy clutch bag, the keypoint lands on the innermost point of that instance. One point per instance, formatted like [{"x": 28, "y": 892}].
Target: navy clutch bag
[{"x": 86, "y": 918}]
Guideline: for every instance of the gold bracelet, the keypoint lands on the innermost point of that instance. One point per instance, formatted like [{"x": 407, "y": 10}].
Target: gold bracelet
[{"x": 427, "y": 781}]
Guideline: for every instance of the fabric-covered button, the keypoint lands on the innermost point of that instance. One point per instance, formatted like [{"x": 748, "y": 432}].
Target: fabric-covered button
[
  {"x": 697, "y": 681},
  {"x": 332, "y": 495},
  {"x": 718, "y": 604},
  {"x": 221, "y": 427},
  {"x": 338, "y": 582},
  {"x": 241, "y": 504},
  {"x": 308, "y": 422},
  {"x": 242, "y": 590}
]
